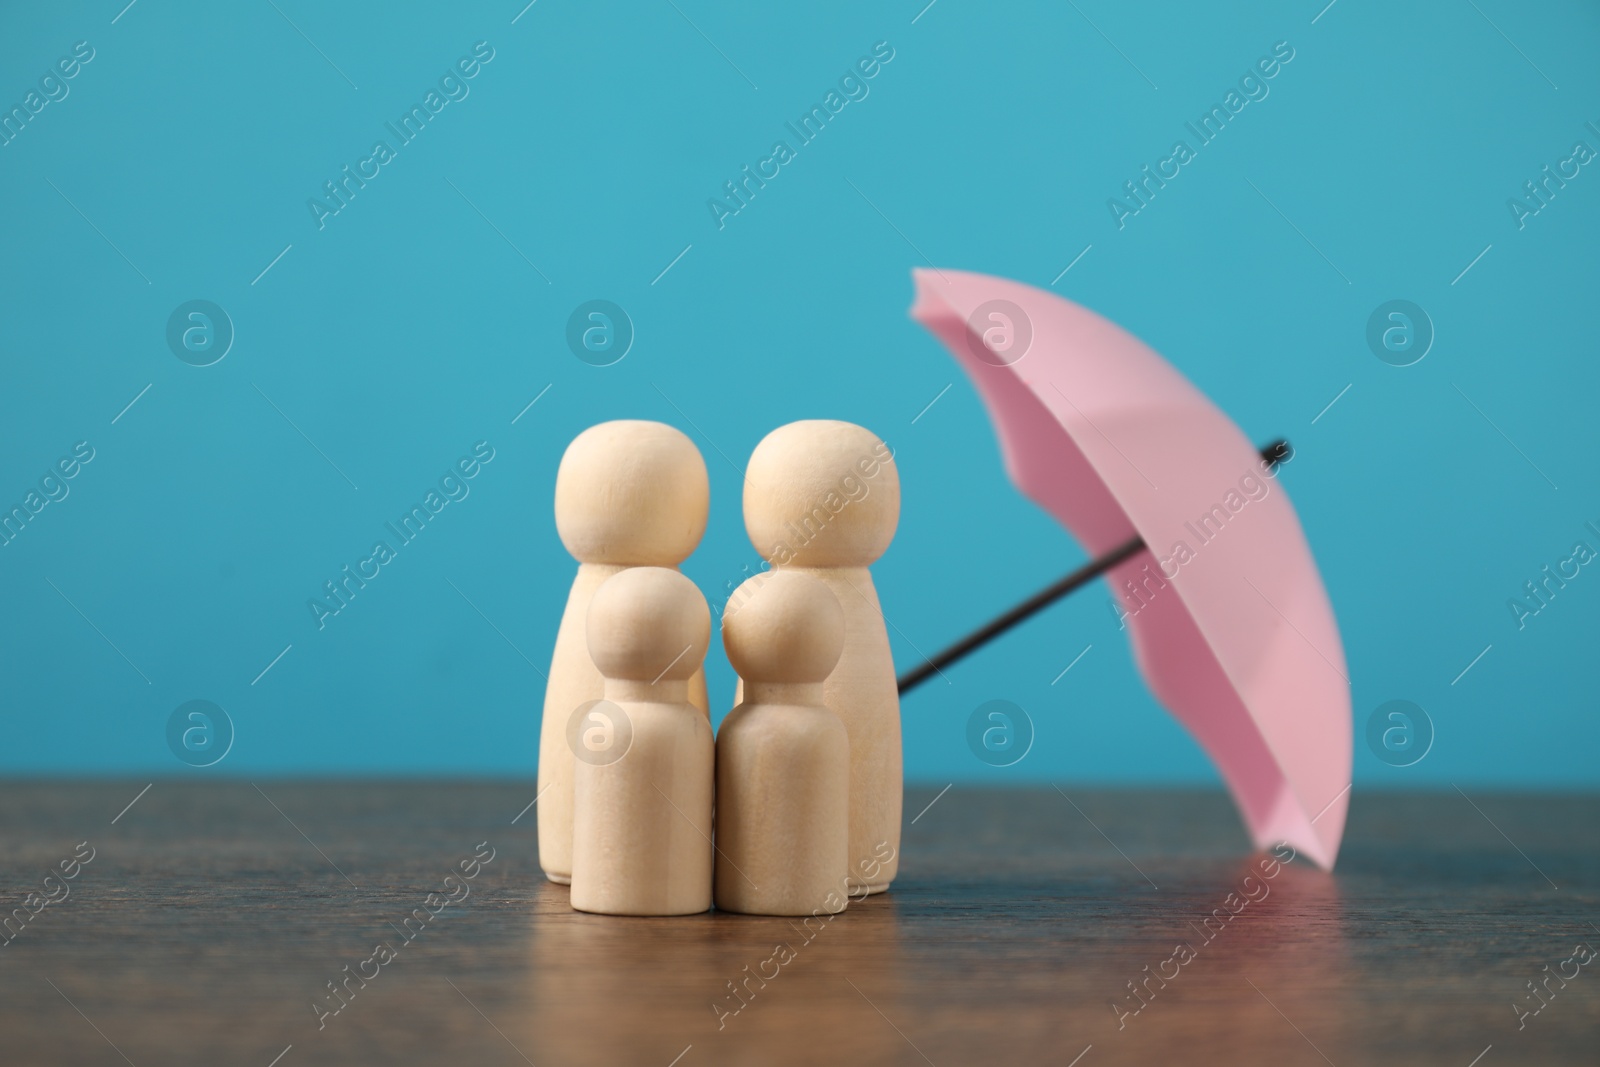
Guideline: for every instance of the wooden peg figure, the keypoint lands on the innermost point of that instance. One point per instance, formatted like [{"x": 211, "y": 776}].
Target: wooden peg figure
[
  {"x": 628, "y": 494},
  {"x": 823, "y": 497},
  {"x": 641, "y": 831},
  {"x": 783, "y": 759}
]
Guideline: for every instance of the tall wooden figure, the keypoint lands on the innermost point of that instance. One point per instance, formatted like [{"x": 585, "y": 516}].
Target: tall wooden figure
[
  {"x": 628, "y": 494},
  {"x": 641, "y": 833},
  {"x": 783, "y": 759},
  {"x": 824, "y": 497}
]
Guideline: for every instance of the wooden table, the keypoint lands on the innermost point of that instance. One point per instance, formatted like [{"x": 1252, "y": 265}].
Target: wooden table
[{"x": 213, "y": 915}]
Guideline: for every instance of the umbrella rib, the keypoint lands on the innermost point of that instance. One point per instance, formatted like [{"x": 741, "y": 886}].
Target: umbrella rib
[
  {"x": 1296, "y": 629},
  {"x": 1103, "y": 437}
]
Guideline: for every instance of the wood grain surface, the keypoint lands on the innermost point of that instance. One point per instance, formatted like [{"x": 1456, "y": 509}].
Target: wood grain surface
[{"x": 213, "y": 915}]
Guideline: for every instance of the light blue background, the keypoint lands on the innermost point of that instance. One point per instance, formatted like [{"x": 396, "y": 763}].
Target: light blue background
[{"x": 409, "y": 329}]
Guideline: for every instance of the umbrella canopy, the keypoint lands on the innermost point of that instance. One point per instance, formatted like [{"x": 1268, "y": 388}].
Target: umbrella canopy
[{"x": 1230, "y": 623}]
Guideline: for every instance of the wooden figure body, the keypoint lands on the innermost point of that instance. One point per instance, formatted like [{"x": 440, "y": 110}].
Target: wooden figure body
[
  {"x": 642, "y": 790},
  {"x": 823, "y": 497},
  {"x": 628, "y": 494},
  {"x": 783, "y": 759}
]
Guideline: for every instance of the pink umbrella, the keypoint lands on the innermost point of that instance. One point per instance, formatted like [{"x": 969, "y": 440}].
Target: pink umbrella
[{"x": 1231, "y": 624}]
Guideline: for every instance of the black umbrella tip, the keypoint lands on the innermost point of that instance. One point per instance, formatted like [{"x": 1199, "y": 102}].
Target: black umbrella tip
[{"x": 1279, "y": 451}]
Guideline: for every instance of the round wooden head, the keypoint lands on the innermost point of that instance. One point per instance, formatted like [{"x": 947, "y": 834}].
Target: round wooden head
[
  {"x": 632, "y": 493},
  {"x": 648, "y": 624},
  {"x": 786, "y": 627},
  {"x": 821, "y": 493}
]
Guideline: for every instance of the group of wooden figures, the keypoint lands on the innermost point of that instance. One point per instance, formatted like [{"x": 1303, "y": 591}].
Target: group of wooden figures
[{"x": 795, "y": 806}]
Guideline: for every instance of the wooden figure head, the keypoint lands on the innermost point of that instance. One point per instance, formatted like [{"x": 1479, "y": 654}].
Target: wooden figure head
[
  {"x": 648, "y": 624},
  {"x": 788, "y": 627},
  {"x": 632, "y": 493},
  {"x": 821, "y": 493}
]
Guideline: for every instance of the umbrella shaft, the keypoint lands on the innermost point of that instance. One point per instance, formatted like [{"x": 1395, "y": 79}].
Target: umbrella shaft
[
  {"x": 1034, "y": 604},
  {"x": 1085, "y": 574}
]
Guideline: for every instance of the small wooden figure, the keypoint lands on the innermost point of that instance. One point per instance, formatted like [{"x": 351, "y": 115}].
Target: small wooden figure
[
  {"x": 783, "y": 759},
  {"x": 628, "y": 494},
  {"x": 641, "y": 832},
  {"x": 824, "y": 497}
]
